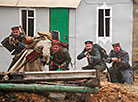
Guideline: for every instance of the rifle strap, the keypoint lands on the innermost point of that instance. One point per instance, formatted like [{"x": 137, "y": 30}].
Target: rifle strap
[{"x": 93, "y": 51}]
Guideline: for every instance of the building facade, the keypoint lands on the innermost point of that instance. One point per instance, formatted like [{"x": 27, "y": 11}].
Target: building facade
[{"x": 102, "y": 21}]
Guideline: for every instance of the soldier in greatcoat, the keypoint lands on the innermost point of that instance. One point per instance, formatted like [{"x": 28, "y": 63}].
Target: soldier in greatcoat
[
  {"x": 120, "y": 71},
  {"x": 93, "y": 57},
  {"x": 16, "y": 41}
]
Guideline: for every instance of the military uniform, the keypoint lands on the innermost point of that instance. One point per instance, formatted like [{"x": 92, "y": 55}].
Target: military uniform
[
  {"x": 17, "y": 47},
  {"x": 37, "y": 53},
  {"x": 120, "y": 72},
  {"x": 96, "y": 59},
  {"x": 62, "y": 56},
  {"x": 20, "y": 45}
]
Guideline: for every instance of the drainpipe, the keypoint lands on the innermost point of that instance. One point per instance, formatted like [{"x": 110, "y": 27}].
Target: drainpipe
[{"x": 47, "y": 88}]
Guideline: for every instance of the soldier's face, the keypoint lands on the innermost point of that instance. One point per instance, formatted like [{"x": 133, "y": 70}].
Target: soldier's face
[
  {"x": 16, "y": 33},
  {"x": 55, "y": 48},
  {"x": 116, "y": 49},
  {"x": 88, "y": 47}
]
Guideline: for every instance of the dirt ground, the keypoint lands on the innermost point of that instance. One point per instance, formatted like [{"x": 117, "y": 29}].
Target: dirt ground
[
  {"x": 108, "y": 92},
  {"x": 132, "y": 88},
  {"x": 117, "y": 92}
]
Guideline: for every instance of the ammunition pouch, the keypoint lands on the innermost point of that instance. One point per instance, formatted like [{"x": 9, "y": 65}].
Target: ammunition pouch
[{"x": 31, "y": 57}]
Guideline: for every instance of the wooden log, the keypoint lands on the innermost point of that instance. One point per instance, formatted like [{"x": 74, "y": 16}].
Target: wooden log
[{"x": 47, "y": 88}]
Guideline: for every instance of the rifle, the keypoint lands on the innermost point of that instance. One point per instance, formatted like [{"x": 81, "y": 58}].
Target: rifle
[
  {"x": 133, "y": 74},
  {"x": 22, "y": 31},
  {"x": 121, "y": 58},
  {"x": 27, "y": 40},
  {"x": 13, "y": 38},
  {"x": 134, "y": 67},
  {"x": 108, "y": 72},
  {"x": 89, "y": 59}
]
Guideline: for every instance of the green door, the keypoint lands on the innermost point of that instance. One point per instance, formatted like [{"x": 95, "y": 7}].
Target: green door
[{"x": 59, "y": 20}]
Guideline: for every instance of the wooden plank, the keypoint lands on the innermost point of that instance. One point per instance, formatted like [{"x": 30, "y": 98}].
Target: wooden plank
[{"x": 60, "y": 75}]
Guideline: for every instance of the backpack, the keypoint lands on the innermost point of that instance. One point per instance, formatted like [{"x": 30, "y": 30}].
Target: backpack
[
  {"x": 102, "y": 51},
  {"x": 61, "y": 43},
  {"x": 64, "y": 44}
]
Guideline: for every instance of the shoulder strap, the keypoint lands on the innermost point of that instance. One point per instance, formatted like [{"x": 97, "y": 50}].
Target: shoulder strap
[
  {"x": 93, "y": 52},
  {"x": 61, "y": 48}
]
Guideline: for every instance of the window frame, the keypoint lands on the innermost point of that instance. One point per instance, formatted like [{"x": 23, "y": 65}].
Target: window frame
[
  {"x": 20, "y": 18},
  {"x": 105, "y": 38}
]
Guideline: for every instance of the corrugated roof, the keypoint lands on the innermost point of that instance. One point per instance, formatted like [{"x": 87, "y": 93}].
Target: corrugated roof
[{"x": 41, "y": 3}]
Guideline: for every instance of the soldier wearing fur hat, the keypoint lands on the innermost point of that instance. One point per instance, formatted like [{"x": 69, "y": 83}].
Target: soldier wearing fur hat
[
  {"x": 93, "y": 56},
  {"x": 120, "y": 71},
  {"x": 60, "y": 57},
  {"x": 16, "y": 41}
]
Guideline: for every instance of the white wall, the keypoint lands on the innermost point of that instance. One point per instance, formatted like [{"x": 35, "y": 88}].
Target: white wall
[
  {"x": 8, "y": 18},
  {"x": 42, "y": 21},
  {"x": 86, "y": 21}
]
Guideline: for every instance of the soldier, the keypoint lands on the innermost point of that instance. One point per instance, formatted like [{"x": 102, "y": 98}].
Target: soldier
[
  {"x": 60, "y": 57},
  {"x": 16, "y": 41},
  {"x": 35, "y": 55},
  {"x": 93, "y": 56},
  {"x": 120, "y": 71}
]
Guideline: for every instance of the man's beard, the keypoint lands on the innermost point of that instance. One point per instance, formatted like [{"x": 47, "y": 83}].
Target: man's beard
[{"x": 16, "y": 36}]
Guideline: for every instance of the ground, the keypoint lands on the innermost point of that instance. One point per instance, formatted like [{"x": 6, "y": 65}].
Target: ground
[
  {"x": 118, "y": 92},
  {"x": 107, "y": 92}
]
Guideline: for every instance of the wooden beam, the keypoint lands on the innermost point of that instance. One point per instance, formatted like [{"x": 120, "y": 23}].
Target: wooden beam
[{"x": 60, "y": 75}]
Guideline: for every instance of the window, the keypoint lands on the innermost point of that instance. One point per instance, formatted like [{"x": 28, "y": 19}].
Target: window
[
  {"x": 104, "y": 22},
  {"x": 28, "y": 20}
]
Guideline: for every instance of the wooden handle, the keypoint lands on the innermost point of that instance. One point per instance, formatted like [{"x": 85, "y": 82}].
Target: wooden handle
[
  {"x": 22, "y": 31},
  {"x": 18, "y": 68}
]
